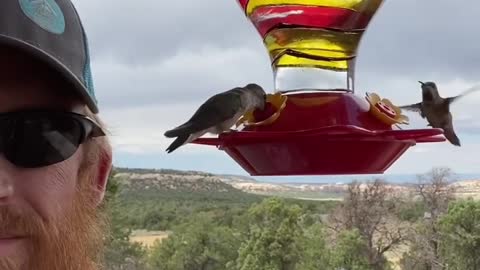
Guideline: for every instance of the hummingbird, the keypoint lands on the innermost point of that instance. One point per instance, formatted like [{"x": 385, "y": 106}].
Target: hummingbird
[
  {"x": 218, "y": 114},
  {"x": 437, "y": 109}
]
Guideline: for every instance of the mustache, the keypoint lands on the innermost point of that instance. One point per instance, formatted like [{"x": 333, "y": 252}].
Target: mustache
[{"x": 14, "y": 223}]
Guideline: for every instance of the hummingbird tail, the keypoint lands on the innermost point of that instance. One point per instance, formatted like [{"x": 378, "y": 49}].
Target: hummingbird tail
[
  {"x": 452, "y": 137},
  {"x": 177, "y": 143}
]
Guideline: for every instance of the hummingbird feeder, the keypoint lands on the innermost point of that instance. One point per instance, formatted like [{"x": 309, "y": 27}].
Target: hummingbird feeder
[{"x": 321, "y": 128}]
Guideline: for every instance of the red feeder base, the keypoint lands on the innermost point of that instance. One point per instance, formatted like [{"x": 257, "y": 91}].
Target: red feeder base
[{"x": 320, "y": 134}]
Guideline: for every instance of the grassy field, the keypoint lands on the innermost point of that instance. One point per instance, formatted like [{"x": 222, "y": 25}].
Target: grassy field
[{"x": 147, "y": 238}]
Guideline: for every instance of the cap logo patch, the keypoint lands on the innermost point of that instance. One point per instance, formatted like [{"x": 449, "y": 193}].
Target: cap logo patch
[{"x": 45, "y": 13}]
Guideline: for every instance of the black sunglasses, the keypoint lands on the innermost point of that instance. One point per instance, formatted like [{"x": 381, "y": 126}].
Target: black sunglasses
[{"x": 32, "y": 139}]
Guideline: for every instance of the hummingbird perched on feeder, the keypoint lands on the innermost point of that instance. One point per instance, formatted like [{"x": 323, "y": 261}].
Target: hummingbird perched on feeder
[
  {"x": 218, "y": 114},
  {"x": 437, "y": 109}
]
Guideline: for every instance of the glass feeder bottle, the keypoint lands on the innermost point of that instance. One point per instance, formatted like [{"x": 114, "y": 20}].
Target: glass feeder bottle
[{"x": 312, "y": 44}]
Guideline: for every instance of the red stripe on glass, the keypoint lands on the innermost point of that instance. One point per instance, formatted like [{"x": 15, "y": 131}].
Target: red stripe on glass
[
  {"x": 266, "y": 18},
  {"x": 243, "y": 3}
]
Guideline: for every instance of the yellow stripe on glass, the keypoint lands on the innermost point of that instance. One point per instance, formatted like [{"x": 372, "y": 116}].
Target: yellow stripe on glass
[
  {"x": 314, "y": 44},
  {"x": 368, "y": 7},
  {"x": 293, "y": 61}
]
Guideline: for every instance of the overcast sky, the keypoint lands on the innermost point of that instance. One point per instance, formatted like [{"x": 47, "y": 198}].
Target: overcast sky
[{"x": 155, "y": 62}]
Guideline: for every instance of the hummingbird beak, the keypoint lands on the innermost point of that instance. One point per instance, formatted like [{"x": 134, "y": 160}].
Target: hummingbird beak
[
  {"x": 264, "y": 101},
  {"x": 422, "y": 83}
]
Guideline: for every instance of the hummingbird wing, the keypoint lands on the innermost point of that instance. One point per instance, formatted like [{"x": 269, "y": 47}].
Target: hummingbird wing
[
  {"x": 215, "y": 110},
  {"x": 450, "y": 100},
  {"x": 417, "y": 107}
]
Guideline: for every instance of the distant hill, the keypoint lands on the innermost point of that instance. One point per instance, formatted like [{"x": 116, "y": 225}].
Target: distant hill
[
  {"x": 344, "y": 179},
  {"x": 236, "y": 178},
  {"x": 160, "y": 171},
  {"x": 140, "y": 185},
  {"x": 162, "y": 181},
  {"x": 165, "y": 180}
]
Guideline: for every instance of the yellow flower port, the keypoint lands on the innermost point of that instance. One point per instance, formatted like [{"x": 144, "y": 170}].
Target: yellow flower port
[
  {"x": 277, "y": 100},
  {"x": 385, "y": 111}
]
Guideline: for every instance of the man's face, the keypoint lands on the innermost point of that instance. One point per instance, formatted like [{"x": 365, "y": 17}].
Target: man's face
[{"x": 48, "y": 217}]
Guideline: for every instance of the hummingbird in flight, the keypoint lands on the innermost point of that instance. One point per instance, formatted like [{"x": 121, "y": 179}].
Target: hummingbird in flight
[
  {"x": 218, "y": 114},
  {"x": 436, "y": 109}
]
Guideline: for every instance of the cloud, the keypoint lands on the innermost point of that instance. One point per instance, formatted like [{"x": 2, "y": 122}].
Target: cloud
[
  {"x": 143, "y": 31},
  {"x": 155, "y": 62},
  {"x": 410, "y": 38},
  {"x": 183, "y": 77},
  {"x": 168, "y": 46},
  {"x": 426, "y": 39},
  {"x": 426, "y": 155}
]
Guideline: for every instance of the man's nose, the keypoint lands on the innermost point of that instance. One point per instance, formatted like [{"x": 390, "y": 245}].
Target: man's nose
[
  {"x": 6, "y": 182},
  {"x": 6, "y": 191}
]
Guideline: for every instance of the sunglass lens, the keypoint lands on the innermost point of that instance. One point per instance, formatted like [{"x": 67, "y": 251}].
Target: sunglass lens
[{"x": 42, "y": 141}]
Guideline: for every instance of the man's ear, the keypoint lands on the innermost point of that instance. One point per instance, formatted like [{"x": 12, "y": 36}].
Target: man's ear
[{"x": 103, "y": 172}]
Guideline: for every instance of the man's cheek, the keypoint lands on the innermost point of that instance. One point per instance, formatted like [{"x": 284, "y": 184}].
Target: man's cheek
[
  {"x": 50, "y": 191},
  {"x": 62, "y": 178}
]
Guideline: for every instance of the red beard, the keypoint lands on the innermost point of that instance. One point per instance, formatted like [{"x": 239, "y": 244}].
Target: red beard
[{"x": 73, "y": 241}]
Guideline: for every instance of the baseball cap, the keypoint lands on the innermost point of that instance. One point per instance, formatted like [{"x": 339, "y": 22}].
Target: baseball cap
[{"x": 51, "y": 30}]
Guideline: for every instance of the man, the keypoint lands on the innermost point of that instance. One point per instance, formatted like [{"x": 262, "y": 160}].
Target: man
[{"x": 54, "y": 155}]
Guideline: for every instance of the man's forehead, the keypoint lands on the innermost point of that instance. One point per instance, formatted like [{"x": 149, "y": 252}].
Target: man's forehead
[{"x": 28, "y": 82}]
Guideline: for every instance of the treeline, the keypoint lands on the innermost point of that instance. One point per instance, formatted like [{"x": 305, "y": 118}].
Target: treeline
[
  {"x": 157, "y": 209},
  {"x": 430, "y": 230},
  {"x": 160, "y": 171}
]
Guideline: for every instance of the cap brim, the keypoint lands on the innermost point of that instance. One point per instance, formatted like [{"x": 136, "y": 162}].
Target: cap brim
[{"x": 53, "y": 63}]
